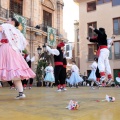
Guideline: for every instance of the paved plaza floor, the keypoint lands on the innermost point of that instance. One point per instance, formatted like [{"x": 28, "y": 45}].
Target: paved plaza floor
[{"x": 47, "y": 104}]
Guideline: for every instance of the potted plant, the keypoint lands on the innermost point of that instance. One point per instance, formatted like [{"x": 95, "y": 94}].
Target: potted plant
[{"x": 40, "y": 72}]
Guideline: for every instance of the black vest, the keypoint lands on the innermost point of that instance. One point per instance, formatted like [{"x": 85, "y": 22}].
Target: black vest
[{"x": 59, "y": 58}]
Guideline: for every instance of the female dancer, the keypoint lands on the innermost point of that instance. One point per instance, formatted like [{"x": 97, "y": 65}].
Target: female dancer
[{"x": 12, "y": 65}]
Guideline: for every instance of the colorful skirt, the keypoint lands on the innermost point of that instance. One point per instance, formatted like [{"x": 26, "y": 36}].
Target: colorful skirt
[{"x": 12, "y": 64}]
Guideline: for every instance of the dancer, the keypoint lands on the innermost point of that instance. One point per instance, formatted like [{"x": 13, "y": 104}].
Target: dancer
[
  {"x": 75, "y": 77},
  {"x": 109, "y": 44},
  {"x": 92, "y": 77},
  {"x": 49, "y": 77},
  {"x": 12, "y": 65},
  {"x": 29, "y": 61},
  {"x": 103, "y": 61},
  {"x": 58, "y": 61},
  {"x": 94, "y": 39}
]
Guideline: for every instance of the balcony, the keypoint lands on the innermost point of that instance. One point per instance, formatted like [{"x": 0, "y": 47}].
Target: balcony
[
  {"x": 27, "y": 19},
  {"x": 4, "y": 13},
  {"x": 44, "y": 28}
]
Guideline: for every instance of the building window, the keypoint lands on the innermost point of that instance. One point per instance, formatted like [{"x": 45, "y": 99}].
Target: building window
[
  {"x": 102, "y": 1},
  {"x": 91, "y": 33},
  {"x": 115, "y": 2},
  {"x": 47, "y": 20},
  {"x": 67, "y": 47},
  {"x": 77, "y": 34},
  {"x": 91, "y": 6},
  {"x": 92, "y": 48},
  {"x": 117, "y": 50},
  {"x": 116, "y": 26},
  {"x": 16, "y": 6}
]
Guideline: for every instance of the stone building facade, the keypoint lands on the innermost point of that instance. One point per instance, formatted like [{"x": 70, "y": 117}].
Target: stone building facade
[{"x": 99, "y": 13}]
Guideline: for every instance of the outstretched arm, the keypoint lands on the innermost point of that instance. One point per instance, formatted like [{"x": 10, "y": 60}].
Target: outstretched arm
[
  {"x": 95, "y": 30},
  {"x": 52, "y": 51}
]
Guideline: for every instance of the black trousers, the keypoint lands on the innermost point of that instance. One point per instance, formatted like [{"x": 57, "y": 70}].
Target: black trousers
[
  {"x": 63, "y": 75},
  {"x": 97, "y": 73},
  {"x": 57, "y": 73},
  {"x": 25, "y": 82},
  {"x": 10, "y": 83}
]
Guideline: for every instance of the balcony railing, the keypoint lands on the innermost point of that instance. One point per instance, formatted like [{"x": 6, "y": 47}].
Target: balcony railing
[
  {"x": 44, "y": 28},
  {"x": 28, "y": 19},
  {"x": 4, "y": 13}
]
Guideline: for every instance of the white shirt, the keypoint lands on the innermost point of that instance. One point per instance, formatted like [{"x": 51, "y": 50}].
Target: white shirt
[
  {"x": 94, "y": 66},
  {"x": 75, "y": 69}
]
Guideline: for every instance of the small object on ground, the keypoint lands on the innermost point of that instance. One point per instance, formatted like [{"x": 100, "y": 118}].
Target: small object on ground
[
  {"x": 73, "y": 105},
  {"x": 109, "y": 98}
]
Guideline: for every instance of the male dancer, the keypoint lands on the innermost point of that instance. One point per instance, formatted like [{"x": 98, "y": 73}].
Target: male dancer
[
  {"x": 58, "y": 61},
  {"x": 63, "y": 73},
  {"x": 103, "y": 61},
  {"x": 29, "y": 61},
  {"x": 94, "y": 39}
]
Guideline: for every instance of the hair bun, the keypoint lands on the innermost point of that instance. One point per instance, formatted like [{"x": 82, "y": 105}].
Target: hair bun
[{"x": 16, "y": 22}]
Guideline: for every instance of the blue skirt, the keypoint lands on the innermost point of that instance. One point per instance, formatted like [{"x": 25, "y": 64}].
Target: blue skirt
[
  {"x": 49, "y": 77},
  {"x": 74, "y": 79}
]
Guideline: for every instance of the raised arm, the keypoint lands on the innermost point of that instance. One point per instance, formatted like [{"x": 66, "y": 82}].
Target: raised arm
[
  {"x": 52, "y": 51},
  {"x": 95, "y": 30}
]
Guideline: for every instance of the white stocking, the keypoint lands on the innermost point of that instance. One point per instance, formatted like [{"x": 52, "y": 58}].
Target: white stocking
[
  {"x": 92, "y": 83},
  {"x": 18, "y": 85}
]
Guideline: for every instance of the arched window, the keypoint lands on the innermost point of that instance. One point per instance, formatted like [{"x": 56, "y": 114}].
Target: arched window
[{"x": 16, "y": 6}]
